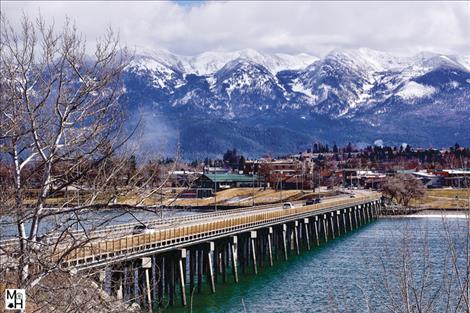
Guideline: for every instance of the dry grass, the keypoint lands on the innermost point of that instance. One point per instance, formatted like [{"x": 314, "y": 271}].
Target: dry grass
[
  {"x": 261, "y": 197},
  {"x": 443, "y": 199}
]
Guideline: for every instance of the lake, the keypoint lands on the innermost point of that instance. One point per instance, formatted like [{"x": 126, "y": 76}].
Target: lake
[{"x": 373, "y": 269}]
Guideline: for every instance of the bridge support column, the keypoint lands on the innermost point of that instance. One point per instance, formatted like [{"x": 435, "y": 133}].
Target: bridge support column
[
  {"x": 325, "y": 227},
  {"x": 120, "y": 287},
  {"x": 363, "y": 211},
  {"x": 126, "y": 284},
  {"x": 192, "y": 269},
  {"x": 200, "y": 267},
  {"x": 234, "y": 250},
  {"x": 270, "y": 248},
  {"x": 105, "y": 279},
  {"x": 284, "y": 240},
  {"x": 172, "y": 279},
  {"x": 253, "y": 235},
  {"x": 224, "y": 261},
  {"x": 181, "y": 257},
  {"x": 356, "y": 216},
  {"x": 137, "y": 298},
  {"x": 332, "y": 224},
  {"x": 343, "y": 214},
  {"x": 296, "y": 236},
  {"x": 210, "y": 269},
  {"x": 315, "y": 225},
  {"x": 307, "y": 236},
  {"x": 146, "y": 265},
  {"x": 338, "y": 226},
  {"x": 154, "y": 280},
  {"x": 350, "y": 218}
]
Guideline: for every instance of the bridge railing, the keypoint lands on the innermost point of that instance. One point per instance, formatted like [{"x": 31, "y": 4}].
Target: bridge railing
[{"x": 96, "y": 251}]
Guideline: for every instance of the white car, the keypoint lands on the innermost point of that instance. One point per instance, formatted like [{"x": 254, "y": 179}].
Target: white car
[
  {"x": 143, "y": 229},
  {"x": 287, "y": 205}
]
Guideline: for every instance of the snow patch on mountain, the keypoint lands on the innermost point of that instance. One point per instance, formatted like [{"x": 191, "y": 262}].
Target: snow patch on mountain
[
  {"x": 210, "y": 62},
  {"x": 413, "y": 90}
]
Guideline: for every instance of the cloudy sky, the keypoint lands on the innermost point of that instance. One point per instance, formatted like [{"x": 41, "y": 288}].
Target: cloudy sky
[{"x": 290, "y": 27}]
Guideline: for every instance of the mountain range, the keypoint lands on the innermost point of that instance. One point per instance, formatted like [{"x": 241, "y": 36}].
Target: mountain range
[{"x": 278, "y": 103}]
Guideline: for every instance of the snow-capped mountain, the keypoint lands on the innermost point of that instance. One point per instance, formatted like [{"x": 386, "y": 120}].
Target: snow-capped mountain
[
  {"x": 422, "y": 99},
  {"x": 210, "y": 62}
]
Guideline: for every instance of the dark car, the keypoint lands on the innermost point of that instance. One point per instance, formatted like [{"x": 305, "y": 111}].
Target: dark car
[{"x": 312, "y": 201}]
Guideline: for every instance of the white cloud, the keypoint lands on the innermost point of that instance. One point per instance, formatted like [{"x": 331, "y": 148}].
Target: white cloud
[{"x": 291, "y": 27}]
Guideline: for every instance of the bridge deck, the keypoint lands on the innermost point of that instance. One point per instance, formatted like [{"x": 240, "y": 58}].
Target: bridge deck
[{"x": 185, "y": 231}]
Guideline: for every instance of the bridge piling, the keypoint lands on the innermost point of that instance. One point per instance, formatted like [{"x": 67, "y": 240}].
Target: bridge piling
[
  {"x": 270, "y": 248},
  {"x": 306, "y": 229},
  {"x": 284, "y": 240},
  {"x": 315, "y": 225},
  {"x": 181, "y": 257},
  {"x": 338, "y": 226},
  {"x": 234, "y": 250},
  {"x": 296, "y": 236},
  {"x": 332, "y": 225},
  {"x": 200, "y": 266},
  {"x": 253, "y": 235},
  {"x": 210, "y": 270},
  {"x": 325, "y": 228}
]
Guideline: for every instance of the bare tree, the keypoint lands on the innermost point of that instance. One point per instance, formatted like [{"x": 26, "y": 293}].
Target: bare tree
[
  {"x": 402, "y": 188},
  {"x": 60, "y": 128}
]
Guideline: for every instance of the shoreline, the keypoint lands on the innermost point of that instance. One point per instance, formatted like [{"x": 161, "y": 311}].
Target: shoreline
[{"x": 459, "y": 213}]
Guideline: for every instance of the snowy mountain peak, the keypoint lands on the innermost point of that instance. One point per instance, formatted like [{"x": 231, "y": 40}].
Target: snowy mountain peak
[{"x": 210, "y": 62}]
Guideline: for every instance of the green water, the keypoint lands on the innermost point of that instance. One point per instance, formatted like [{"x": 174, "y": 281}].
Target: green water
[{"x": 355, "y": 272}]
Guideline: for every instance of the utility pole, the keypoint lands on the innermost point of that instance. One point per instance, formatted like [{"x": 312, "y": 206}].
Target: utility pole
[
  {"x": 215, "y": 193},
  {"x": 253, "y": 184}
]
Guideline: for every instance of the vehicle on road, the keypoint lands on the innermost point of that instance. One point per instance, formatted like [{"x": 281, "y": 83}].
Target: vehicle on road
[
  {"x": 287, "y": 205},
  {"x": 312, "y": 201},
  {"x": 352, "y": 196},
  {"x": 143, "y": 229}
]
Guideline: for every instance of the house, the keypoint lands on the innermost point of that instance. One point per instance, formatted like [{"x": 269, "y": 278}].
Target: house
[
  {"x": 228, "y": 180},
  {"x": 459, "y": 178},
  {"x": 429, "y": 180}
]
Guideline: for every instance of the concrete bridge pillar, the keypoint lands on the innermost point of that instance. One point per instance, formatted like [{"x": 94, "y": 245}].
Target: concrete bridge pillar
[
  {"x": 181, "y": 256},
  {"x": 200, "y": 268},
  {"x": 325, "y": 227},
  {"x": 234, "y": 251},
  {"x": 146, "y": 266},
  {"x": 350, "y": 218},
  {"x": 338, "y": 225},
  {"x": 210, "y": 269},
  {"x": 332, "y": 224},
  {"x": 315, "y": 225},
  {"x": 137, "y": 296},
  {"x": 306, "y": 232},
  {"x": 270, "y": 248},
  {"x": 253, "y": 235},
  {"x": 363, "y": 214},
  {"x": 284, "y": 240},
  {"x": 296, "y": 236},
  {"x": 192, "y": 269},
  {"x": 358, "y": 220}
]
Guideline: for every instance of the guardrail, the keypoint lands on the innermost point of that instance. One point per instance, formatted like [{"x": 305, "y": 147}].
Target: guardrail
[
  {"x": 128, "y": 227},
  {"x": 97, "y": 251}
]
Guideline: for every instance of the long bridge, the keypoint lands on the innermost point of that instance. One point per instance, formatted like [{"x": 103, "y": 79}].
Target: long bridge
[{"x": 179, "y": 256}]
